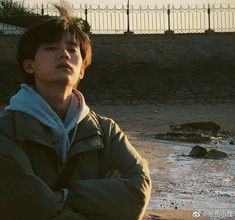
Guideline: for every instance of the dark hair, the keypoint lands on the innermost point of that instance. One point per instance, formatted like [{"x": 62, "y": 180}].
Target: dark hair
[{"x": 49, "y": 31}]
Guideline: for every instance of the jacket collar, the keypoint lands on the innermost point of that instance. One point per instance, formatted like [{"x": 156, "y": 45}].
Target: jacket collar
[{"x": 87, "y": 136}]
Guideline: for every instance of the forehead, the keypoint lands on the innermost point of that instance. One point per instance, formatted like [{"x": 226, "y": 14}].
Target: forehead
[{"x": 66, "y": 37}]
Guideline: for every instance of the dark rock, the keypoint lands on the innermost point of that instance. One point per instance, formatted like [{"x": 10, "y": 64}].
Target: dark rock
[
  {"x": 231, "y": 142},
  {"x": 215, "y": 154},
  {"x": 198, "y": 151},
  {"x": 195, "y": 127},
  {"x": 196, "y": 138}
]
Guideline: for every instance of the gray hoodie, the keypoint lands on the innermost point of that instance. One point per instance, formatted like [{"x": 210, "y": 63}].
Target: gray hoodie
[{"x": 27, "y": 100}]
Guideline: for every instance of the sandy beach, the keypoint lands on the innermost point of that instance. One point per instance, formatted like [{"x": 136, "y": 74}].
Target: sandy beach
[{"x": 181, "y": 185}]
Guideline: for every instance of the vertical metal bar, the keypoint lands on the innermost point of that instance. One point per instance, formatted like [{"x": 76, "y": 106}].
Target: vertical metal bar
[
  {"x": 143, "y": 12},
  {"x": 185, "y": 20},
  {"x": 111, "y": 20},
  {"x": 133, "y": 23},
  {"x": 156, "y": 21},
  {"x": 173, "y": 18},
  {"x": 119, "y": 19},
  {"x": 168, "y": 15},
  {"x": 127, "y": 13},
  {"x": 196, "y": 29},
  {"x": 225, "y": 20},
  {"x": 164, "y": 22},
  {"x": 94, "y": 18},
  {"x": 233, "y": 18},
  {"x": 217, "y": 16},
  {"x": 152, "y": 21},
  {"x": 193, "y": 14},
  {"x": 90, "y": 19},
  {"x": 107, "y": 13},
  {"x": 213, "y": 15},
  {"x": 204, "y": 8},
  {"x": 148, "y": 23},
  {"x": 189, "y": 26},
  {"x": 42, "y": 10},
  {"x": 177, "y": 12},
  {"x": 123, "y": 18},
  {"x": 152, "y": 15},
  {"x": 137, "y": 22},
  {"x": 221, "y": 17},
  {"x": 103, "y": 20},
  {"x": 209, "y": 19},
  {"x": 140, "y": 19},
  {"x": 115, "y": 19},
  {"x": 181, "y": 20},
  {"x": 86, "y": 13},
  {"x": 99, "y": 18},
  {"x": 229, "y": 24}
]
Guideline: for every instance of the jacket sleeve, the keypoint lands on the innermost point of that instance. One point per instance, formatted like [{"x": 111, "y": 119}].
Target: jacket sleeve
[
  {"x": 123, "y": 198},
  {"x": 23, "y": 195}
]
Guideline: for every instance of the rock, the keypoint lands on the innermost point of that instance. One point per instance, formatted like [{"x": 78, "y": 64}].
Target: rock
[
  {"x": 231, "y": 142},
  {"x": 197, "y": 127},
  {"x": 196, "y": 138},
  {"x": 198, "y": 151},
  {"x": 215, "y": 154},
  {"x": 224, "y": 134}
]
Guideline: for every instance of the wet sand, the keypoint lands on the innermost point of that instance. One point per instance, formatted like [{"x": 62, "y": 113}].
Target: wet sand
[{"x": 181, "y": 185}]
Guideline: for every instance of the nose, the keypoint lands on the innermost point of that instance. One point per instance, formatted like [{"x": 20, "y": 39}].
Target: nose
[{"x": 64, "y": 54}]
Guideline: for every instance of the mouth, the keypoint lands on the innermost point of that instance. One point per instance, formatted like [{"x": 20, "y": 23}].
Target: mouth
[{"x": 64, "y": 66}]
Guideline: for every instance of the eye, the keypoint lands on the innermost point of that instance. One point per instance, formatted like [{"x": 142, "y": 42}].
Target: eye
[
  {"x": 73, "y": 49},
  {"x": 50, "y": 47}
]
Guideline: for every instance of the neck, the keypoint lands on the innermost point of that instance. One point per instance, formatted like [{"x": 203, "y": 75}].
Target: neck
[{"x": 58, "y": 98}]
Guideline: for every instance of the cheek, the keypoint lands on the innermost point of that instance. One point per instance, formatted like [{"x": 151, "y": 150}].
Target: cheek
[{"x": 77, "y": 59}]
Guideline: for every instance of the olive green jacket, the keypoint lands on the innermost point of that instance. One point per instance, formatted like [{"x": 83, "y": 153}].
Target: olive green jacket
[{"x": 30, "y": 169}]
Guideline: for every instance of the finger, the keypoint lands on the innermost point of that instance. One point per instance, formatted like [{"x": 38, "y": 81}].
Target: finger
[
  {"x": 115, "y": 174},
  {"x": 108, "y": 175}
]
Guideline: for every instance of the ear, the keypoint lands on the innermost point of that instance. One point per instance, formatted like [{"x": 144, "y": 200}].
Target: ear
[
  {"x": 82, "y": 71},
  {"x": 28, "y": 66}
]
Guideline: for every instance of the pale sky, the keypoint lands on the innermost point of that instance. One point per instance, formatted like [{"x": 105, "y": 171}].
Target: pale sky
[{"x": 133, "y": 2}]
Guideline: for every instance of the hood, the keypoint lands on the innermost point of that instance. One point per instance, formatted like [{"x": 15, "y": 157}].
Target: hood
[{"x": 27, "y": 100}]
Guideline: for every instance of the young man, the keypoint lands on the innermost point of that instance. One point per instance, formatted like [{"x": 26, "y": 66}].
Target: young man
[{"x": 58, "y": 159}]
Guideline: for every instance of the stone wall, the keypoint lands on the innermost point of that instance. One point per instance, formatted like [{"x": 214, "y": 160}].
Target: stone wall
[
  {"x": 164, "y": 51},
  {"x": 182, "y": 68}
]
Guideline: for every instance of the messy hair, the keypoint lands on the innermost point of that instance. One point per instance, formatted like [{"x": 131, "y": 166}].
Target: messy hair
[{"x": 49, "y": 31}]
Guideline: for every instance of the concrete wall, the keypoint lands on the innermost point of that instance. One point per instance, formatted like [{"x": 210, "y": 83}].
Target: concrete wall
[{"x": 186, "y": 68}]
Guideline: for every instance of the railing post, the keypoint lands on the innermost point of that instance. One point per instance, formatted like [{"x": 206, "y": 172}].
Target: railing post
[
  {"x": 169, "y": 31},
  {"x": 169, "y": 20},
  {"x": 128, "y": 19},
  {"x": 85, "y": 22},
  {"x": 209, "y": 30},
  {"x": 42, "y": 10},
  {"x": 86, "y": 11},
  {"x": 209, "y": 17}
]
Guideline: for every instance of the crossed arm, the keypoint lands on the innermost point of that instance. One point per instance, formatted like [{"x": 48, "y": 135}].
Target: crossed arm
[{"x": 26, "y": 196}]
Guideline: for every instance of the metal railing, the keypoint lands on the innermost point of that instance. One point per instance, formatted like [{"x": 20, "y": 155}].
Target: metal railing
[{"x": 151, "y": 20}]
